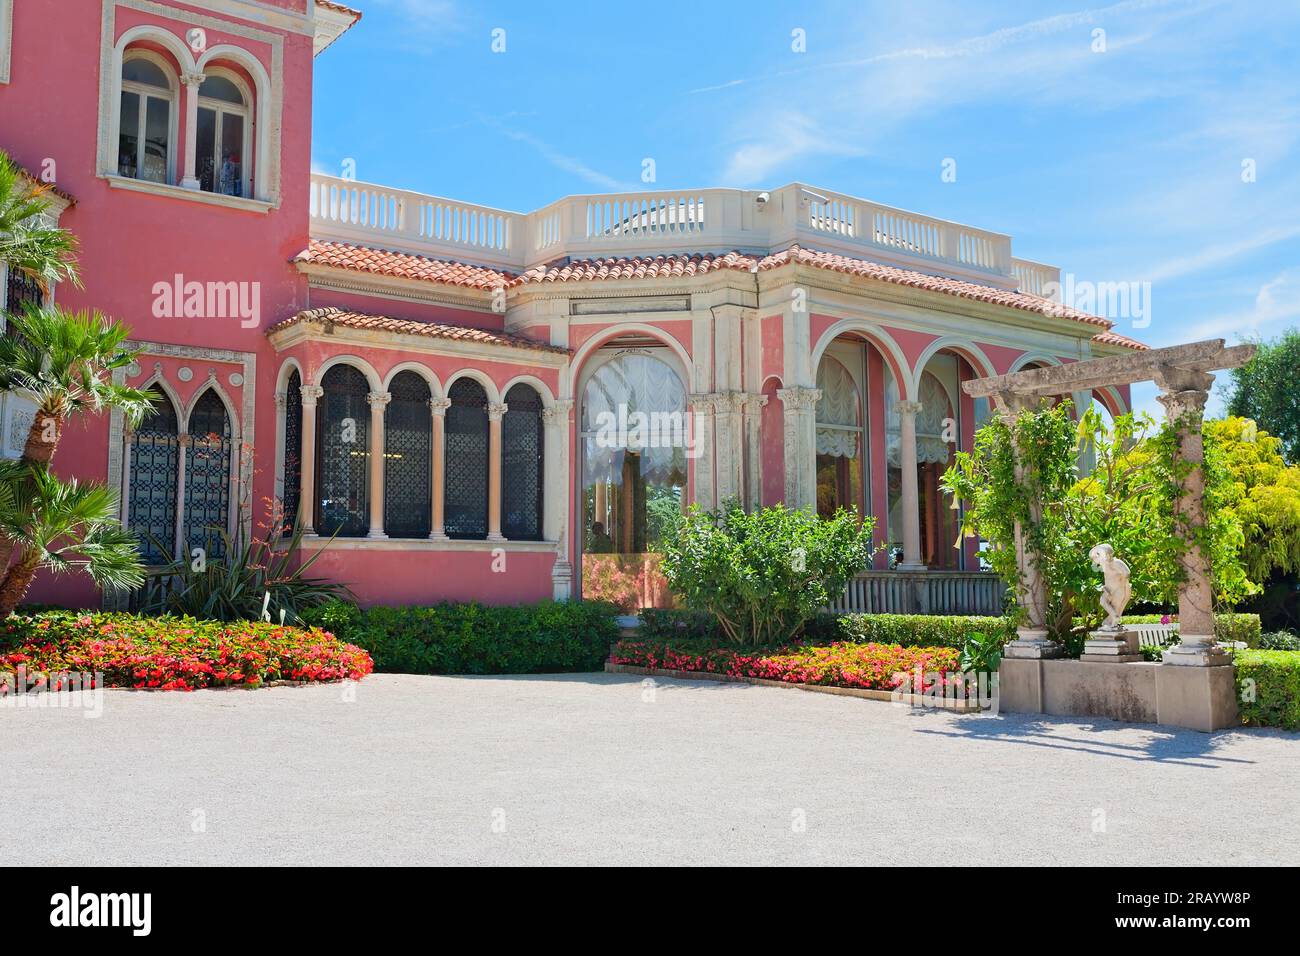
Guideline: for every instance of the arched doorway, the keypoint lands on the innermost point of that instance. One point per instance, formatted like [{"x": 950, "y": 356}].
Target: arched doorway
[{"x": 634, "y": 434}]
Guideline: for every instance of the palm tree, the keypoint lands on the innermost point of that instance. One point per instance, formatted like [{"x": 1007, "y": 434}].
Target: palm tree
[
  {"x": 28, "y": 243},
  {"x": 63, "y": 526}
]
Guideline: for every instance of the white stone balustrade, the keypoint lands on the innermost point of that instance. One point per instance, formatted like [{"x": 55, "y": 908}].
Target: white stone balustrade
[{"x": 663, "y": 222}]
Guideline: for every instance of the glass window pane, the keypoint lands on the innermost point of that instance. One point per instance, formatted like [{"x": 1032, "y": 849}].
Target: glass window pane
[
  {"x": 232, "y": 155},
  {"x": 466, "y": 484},
  {"x": 128, "y": 140},
  {"x": 140, "y": 70},
  {"x": 207, "y": 476},
  {"x": 408, "y": 444},
  {"x": 155, "y": 456},
  {"x": 157, "y": 136},
  {"x": 292, "y": 452},
  {"x": 521, "y": 465},
  {"x": 206, "y": 149},
  {"x": 343, "y": 454},
  {"x": 220, "y": 88}
]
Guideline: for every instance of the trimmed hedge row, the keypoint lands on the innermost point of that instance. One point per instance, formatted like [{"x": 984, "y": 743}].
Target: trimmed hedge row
[
  {"x": 551, "y": 637},
  {"x": 904, "y": 630},
  {"x": 1268, "y": 688}
]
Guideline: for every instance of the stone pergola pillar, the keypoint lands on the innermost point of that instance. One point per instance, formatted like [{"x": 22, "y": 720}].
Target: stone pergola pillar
[
  {"x": 307, "y": 466},
  {"x": 192, "y": 82},
  {"x": 1183, "y": 394},
  {"x": 1031, "y": 592},
  {"x": 800, "y": 404},
  {"x": 555, "y": 418},
  {"x": 496, "y": 412},
  {"x": 911, "y": 504},
  {"x": 378, "y": 402},
  {"x": 438, "y": 470}
]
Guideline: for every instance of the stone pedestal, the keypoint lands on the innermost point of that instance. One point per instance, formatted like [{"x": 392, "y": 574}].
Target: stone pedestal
[
  {"x": 1197, "y": 652},
  {"x": 1119, "y": 646},
  {"x": 1032, "y": 644},
  {"x": 1202, "y": 698}
]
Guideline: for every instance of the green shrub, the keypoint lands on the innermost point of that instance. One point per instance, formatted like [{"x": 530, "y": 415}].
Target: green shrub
[
  {"x": 761, "y": 575},
  {"x": 1268, "y": 688},
  {"x": 1279, "y": 641},
  {"x": 912, "y": 630},
  {"x": 551, "y": 637}
]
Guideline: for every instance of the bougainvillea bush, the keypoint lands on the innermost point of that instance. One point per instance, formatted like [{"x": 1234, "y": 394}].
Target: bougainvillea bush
[
  {"x": 865, "y": 666},
  {"x": 174, "y": 653}
]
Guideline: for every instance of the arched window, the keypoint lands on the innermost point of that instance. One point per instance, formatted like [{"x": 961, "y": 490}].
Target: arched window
[
  {"x": 840, "y": 449},
  {"x": 292, "y": 488},
  {"x": 343, "y": 454},
  {"x": 207, "y": 475},
  {"x": 223, "y": 135},
  {"x": 466, "y": 491},
  {"x": 147, "y": 119},
  {"x": 522, "y": 465},
  {"x": 634, "y": 435},
  {"x": 155, "y": 460},
  {"x": 408, "y": 441}
]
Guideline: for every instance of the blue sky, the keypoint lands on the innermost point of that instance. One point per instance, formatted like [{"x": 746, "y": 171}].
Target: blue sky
[{"x": 1119, "y": 165}]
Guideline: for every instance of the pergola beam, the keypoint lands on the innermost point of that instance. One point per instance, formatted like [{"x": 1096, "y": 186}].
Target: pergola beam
[{"x": 1203, "y": 357}]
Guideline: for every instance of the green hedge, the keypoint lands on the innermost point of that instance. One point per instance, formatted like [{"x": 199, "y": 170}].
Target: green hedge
[
  {"x": 906, "y": 630},
  {"x": 1268, "y": 688},
  {"x": 1227, "y": 626},
  {"x": 551, "y": 637}
]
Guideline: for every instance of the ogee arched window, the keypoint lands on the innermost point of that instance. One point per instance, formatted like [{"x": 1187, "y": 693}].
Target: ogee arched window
[
  {"x": 292, "y": 488},
  {"x": 207, "y": 475},
  {"x": 155, "y": 457}
]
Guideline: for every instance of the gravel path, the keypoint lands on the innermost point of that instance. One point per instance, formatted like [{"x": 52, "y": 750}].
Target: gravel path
[{"x": 598, "y": 768}]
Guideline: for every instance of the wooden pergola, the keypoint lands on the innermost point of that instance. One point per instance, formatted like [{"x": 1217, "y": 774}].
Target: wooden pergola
[{"x": 1184, "y": 374}]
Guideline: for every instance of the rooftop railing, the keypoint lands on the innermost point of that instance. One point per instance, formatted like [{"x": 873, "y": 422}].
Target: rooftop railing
[{"x": 665, "y": 222}]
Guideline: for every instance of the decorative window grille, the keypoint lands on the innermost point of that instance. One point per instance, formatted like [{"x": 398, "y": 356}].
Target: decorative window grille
[
  {"x": 408, "y": 440},
  {"x": 155, "y": 461},
  {"x": 207, "y": 476},
  {"x": 466, "y": 486},
  {"x": 343, "y": 454},
  {"x": 522, "y": 465},
  {"x": 289, "y": 497}
]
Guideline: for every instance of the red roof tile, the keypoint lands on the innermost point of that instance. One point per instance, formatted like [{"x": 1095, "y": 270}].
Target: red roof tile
[
  {"x": 1114, "y": 338},
  {"x": 643, "y": 267},
  {"x": 401, "y": 265},
  {"x": 360, "y": 320},
  {"x": 339, "y": 8}
]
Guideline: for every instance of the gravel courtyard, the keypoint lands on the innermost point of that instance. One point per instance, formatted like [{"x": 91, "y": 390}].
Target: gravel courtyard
[{"x": 605, "y": 769}]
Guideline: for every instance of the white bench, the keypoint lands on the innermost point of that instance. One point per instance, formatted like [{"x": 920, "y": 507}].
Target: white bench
[{"x": 1153, "y": 635}]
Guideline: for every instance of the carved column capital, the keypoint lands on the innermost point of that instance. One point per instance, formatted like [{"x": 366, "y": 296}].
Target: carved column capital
[
  {"x": 193, "y": 78},
  {"x": 439, "y": 406},
  {"x": 281, "y": 400},
  {"x": 379, "y": 399},
  {"x": 496, "y": 411},
  {"x": 558, "y": 413},
  {"x": 798, "y": 397},
  {"x": 1182, "y": 404},
  {"x": 908, "y": 409},
  {"x": 309, "y": 395}
]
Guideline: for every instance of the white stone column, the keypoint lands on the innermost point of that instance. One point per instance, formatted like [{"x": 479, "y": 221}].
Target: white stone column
[
  {"x": 558, "y": 494},
  {"x": 911, "y": 503},
  {"x": 307, "y": 464},
  {"x": 438, "y": 469},
  {"x": 702, "y": 450},
  {"x": 800, "y": 406},
  {"x": 192, "y": 82},
  {"x": 729, "y": 438},
  {"x": 1031, "y": 593},
  {"x": 495, "y": 413},
  {"x": 182, "y": 465},
  {"x": 1184, "y": 394},
  {"x": 753, "y": 452},
  {"x": 378, "y": 402}
]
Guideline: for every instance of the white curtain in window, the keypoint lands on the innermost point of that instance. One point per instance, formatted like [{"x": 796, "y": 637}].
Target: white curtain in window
[{"x": 837, "y": 411}]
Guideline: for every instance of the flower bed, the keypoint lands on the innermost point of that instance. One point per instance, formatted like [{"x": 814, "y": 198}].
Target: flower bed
[
  {"x": 864, "y": 666},
  {"x": 174, "y": 653}
]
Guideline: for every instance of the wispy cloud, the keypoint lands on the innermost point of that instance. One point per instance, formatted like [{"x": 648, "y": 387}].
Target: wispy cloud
[
  {"x": 1277, "y": 302},
  {"x": 558, "y": 159},
  {"x": 425, "y": 21},
  {"x": 788, "y": 136}
]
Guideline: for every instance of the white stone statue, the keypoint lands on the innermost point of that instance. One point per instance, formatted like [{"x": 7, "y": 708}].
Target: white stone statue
[{"x": 1116, "y": 591}]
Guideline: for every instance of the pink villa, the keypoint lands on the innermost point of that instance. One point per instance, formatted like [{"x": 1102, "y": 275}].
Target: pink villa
[{"x": 463, "y": 402}]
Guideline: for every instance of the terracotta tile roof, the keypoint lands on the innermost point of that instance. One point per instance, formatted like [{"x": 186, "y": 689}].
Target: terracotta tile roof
[
  {"x": 921, "y": 280},
  {"x": 339, "y": 8},
  {"x": 27, "y": 174},
  {"x": 401, "y": 265},
  {"x": 1114, "y": 338},
  {"x": 644, "y": 267},
  {"x": 437, "y": 330}
]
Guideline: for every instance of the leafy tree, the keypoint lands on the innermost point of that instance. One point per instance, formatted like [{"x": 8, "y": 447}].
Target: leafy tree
[
  {"x": 763, "y": 575},
  {"x": 1264, "y": 389}
]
